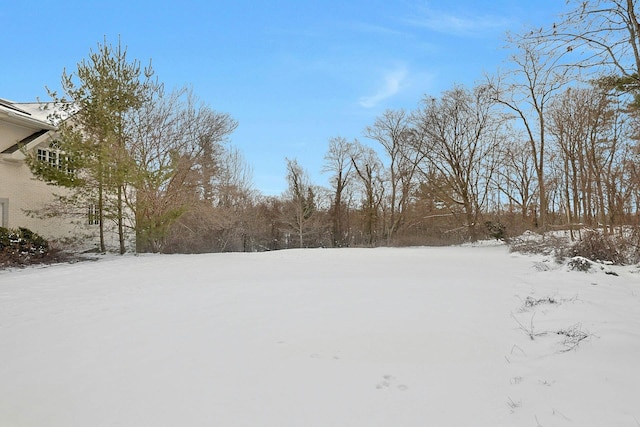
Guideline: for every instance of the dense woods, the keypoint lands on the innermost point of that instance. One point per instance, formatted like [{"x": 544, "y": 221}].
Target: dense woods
[{"x": 550, "y": 142}]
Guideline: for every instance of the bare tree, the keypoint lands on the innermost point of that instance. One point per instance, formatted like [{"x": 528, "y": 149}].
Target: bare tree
[
  {"x": 599, "y": 37},
  {"x": 301, "y": 200},
  {"x": 175, "y": 146},
  {"x": 515, "y": 176},
  {"x": 369, "y": 170},
  {"x": 393, "y": 131},
  {"x": 531, "y": 85},
  {"x": 589, "y": 128},
  {"x": 265, "y": 224},
  {"x": 596, "y": 37},
  {"x": 230, "y": 207},
  {"x": 462, "y": 135},
  {"x": 337, "y": 162},
  {"x": 573, "y": 121}
]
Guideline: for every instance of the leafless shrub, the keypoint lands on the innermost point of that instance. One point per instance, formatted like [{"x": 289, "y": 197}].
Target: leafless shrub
[
  {"x": 573, "y": 336},
  {"x": 602, "y": 247},
  {"x": 530, "y": 302},
  {"x": 618, "y": 249},
  {"x": 541, "y": 266},
  {"x": 435, "y": 238},
  {"x": 531, "y": 243},
  {"x": 634, "y": 245}
]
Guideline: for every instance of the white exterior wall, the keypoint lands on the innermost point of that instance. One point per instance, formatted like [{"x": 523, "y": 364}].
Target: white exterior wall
[{"x": 21, "y": 193}]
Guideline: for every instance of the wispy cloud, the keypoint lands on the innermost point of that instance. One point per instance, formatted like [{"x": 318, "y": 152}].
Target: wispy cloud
[
  {"x": 459, "y": 24},
  {"x": 392, "y": 84},
  {"x": 367, "y": 28}
]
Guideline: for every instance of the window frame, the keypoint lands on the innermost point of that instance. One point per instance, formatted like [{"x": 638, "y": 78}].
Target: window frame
[{"x": 4, "y": 212}]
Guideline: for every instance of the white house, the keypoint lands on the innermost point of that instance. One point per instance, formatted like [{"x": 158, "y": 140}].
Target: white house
[{"x": 25, "y": 127}]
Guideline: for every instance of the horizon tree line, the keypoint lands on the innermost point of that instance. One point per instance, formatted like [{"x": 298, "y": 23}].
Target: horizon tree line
[{"x": 550, "y": 142}]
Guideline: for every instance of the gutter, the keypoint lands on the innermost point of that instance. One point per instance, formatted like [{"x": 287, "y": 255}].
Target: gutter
[{"x": 33, "y": 122}]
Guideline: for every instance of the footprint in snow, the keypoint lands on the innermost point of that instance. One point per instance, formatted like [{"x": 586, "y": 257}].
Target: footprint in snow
[{"x": 388, "y": 382}]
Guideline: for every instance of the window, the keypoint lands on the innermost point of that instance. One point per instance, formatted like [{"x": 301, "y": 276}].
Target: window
[
  {"x": 54, "y": 156},
  {"x": 93, "y": 217}
]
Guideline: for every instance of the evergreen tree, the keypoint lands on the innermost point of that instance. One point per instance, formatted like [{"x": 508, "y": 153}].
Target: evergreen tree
[{"x": 98, "y": 99}]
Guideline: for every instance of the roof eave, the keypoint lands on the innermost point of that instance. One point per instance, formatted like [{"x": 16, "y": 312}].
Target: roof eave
[
  {"x": 26, "y": 121},
  {"x": 16, "y": 151}
]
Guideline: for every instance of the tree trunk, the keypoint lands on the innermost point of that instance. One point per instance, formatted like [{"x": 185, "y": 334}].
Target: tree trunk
[
  {"x": 120, "y": 221},
  {"x": 101, "y": 217}
]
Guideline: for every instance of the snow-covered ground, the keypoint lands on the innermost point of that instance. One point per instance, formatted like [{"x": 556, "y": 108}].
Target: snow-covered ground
[{"x": 461, "y": 336}]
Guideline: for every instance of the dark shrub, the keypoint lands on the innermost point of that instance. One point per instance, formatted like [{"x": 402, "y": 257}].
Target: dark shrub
[
  {"x": 579, "y": 263},
  {"x": 495, "y": 229},
  {"x": 21, "y": 246}
]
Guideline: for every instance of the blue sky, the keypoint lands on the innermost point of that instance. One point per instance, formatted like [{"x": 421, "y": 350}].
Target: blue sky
[{"x": 292, "y": 73}]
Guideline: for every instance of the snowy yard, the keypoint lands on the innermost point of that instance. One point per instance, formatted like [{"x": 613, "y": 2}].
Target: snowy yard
[{"x": 461, "y": 336}]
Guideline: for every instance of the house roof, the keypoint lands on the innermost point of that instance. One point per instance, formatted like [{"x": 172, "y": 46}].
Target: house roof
[
  {"x": 33, "y": 115},
  {"x": 30, "y": 123},
  {"x": 11, "y": 106}
]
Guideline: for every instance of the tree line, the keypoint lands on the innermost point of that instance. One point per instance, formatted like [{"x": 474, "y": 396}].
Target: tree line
[{"x": 550, "y": 142}]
